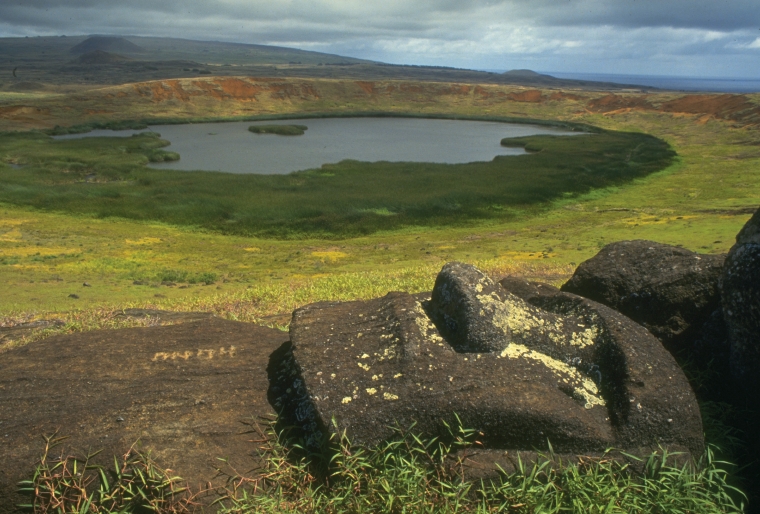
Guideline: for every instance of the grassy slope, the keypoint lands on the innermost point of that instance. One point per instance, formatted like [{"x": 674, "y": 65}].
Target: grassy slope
[{"x": 700, "y": 202}]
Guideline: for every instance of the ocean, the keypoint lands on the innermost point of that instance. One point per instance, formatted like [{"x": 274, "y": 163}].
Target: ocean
[{"x": 708, "y": 84}]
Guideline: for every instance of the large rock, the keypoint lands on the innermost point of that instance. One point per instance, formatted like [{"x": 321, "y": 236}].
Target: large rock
[
  {"x": 669, "y": 290},
  {"x": 560, "y": 368},
  {"x": 740, "y": 292},
  {"x": 182, "y": 392}
]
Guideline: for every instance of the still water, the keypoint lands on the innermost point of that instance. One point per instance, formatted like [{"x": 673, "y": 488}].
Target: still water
[{"x": 232, "y": 148}]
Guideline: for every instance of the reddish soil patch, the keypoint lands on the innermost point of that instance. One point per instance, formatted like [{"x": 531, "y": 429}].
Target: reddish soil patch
[
  {"x": 161, "y": 91},
  {"x": 532, "y": 96},
  {"x": 367, "y": 87},
  {"x": 304, "y": 91},
  {"x": 726, "y": 107},
  {"x": 564, "y": 96},
  {"x": 614, "y": 102},
  {"x": 482, "y": 92},
  {"x": 239, "y": 89},
  {"x": 22, "y": 111},
  {"x": 732, "y": 107}
]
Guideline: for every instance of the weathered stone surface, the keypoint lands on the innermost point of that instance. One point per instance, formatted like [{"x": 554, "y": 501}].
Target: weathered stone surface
[
  {"x": 740, "y": 292},
  {"x": 165, "y": 317},
  {"x": 474, "y": 314},
  {"x": 565, "y": 369},
  {"x": 669, "y": 290},
  {"x": 182, "y": 391},
  {"x": 17, "y": 332}
]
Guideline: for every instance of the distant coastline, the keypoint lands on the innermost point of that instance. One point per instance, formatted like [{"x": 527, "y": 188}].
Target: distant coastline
[{"x": 711, "y": 84}]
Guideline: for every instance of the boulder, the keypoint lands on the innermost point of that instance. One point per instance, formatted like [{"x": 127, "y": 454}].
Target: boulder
[
  {"x": 554, "y": 367},
  {"x": 740, "y": 292},
  {"x": 182, "y": 392},
  {"x": 669, "y": 290}
]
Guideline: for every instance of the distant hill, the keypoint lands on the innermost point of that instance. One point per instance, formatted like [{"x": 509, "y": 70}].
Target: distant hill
[
  {"x": 106, "y": 44},
  {"x": 101, "y": 57},
  {"x": 107, "y": 60},
  {"x": 219, "y": 52},
  {"x": 525, "y": 73}
]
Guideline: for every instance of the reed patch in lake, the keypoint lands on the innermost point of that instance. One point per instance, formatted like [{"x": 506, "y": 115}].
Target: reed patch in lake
[{"x": 280, "y": 130}]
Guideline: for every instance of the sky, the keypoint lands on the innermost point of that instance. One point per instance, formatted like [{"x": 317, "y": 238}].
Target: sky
[{"x": 703, "y": 38}]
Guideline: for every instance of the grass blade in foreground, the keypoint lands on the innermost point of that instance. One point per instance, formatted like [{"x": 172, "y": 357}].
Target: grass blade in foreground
[{"x": 411, "y": 475}]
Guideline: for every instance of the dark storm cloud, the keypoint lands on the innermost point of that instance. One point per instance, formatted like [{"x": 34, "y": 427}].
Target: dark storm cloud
[
  {"x": 657, "y": 34},
  {"x": 719, "y": 15}
]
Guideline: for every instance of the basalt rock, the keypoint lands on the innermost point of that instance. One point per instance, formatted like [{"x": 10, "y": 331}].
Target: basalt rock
[
  {"x": 740, "y": 292},
  {"x": 182, "y": 392},
  {"x": 549, "y": 366},
  {"x": 669, "y": 290}
]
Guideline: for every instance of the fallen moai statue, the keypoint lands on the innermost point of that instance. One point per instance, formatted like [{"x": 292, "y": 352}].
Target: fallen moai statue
[{"x": 548, "y": 366}]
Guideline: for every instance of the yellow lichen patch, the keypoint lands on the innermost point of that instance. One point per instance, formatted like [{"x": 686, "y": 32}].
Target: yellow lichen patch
[
  {"x": 585, "y": 338},
  {"x": 330, "y": 255},
  {"x": 512, "y": 316},
  {"x": 363, "y": 366},
  {"x": 526, "y": 256},
  {"x": 371, "y": 391},
  {"x": 143, "y": 241},
  {"x": 252, "y": 249},
  {"x": 427, "y": 328},
  {"x": 583, "y": 388},
  {"x": 389, "y": 396},
  {"x": 13, "y": 236},
  {"x": 345, "y": 400}
]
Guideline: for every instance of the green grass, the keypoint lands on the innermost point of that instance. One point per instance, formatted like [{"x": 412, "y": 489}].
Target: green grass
[
  {"x": 107, "y": 177},
  {"x": 65, "y": 484},
  {"x": 407, "y": 474},
  {"x": 280, "y": 130}
]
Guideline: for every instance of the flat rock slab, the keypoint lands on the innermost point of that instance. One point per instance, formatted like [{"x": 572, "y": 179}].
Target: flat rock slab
[
  {"x": 165, "y": 317},
  {"x": 183, "y": 392}
]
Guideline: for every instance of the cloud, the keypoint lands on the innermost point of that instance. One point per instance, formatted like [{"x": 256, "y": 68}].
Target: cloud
[{"x": 656, "y": 35}]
